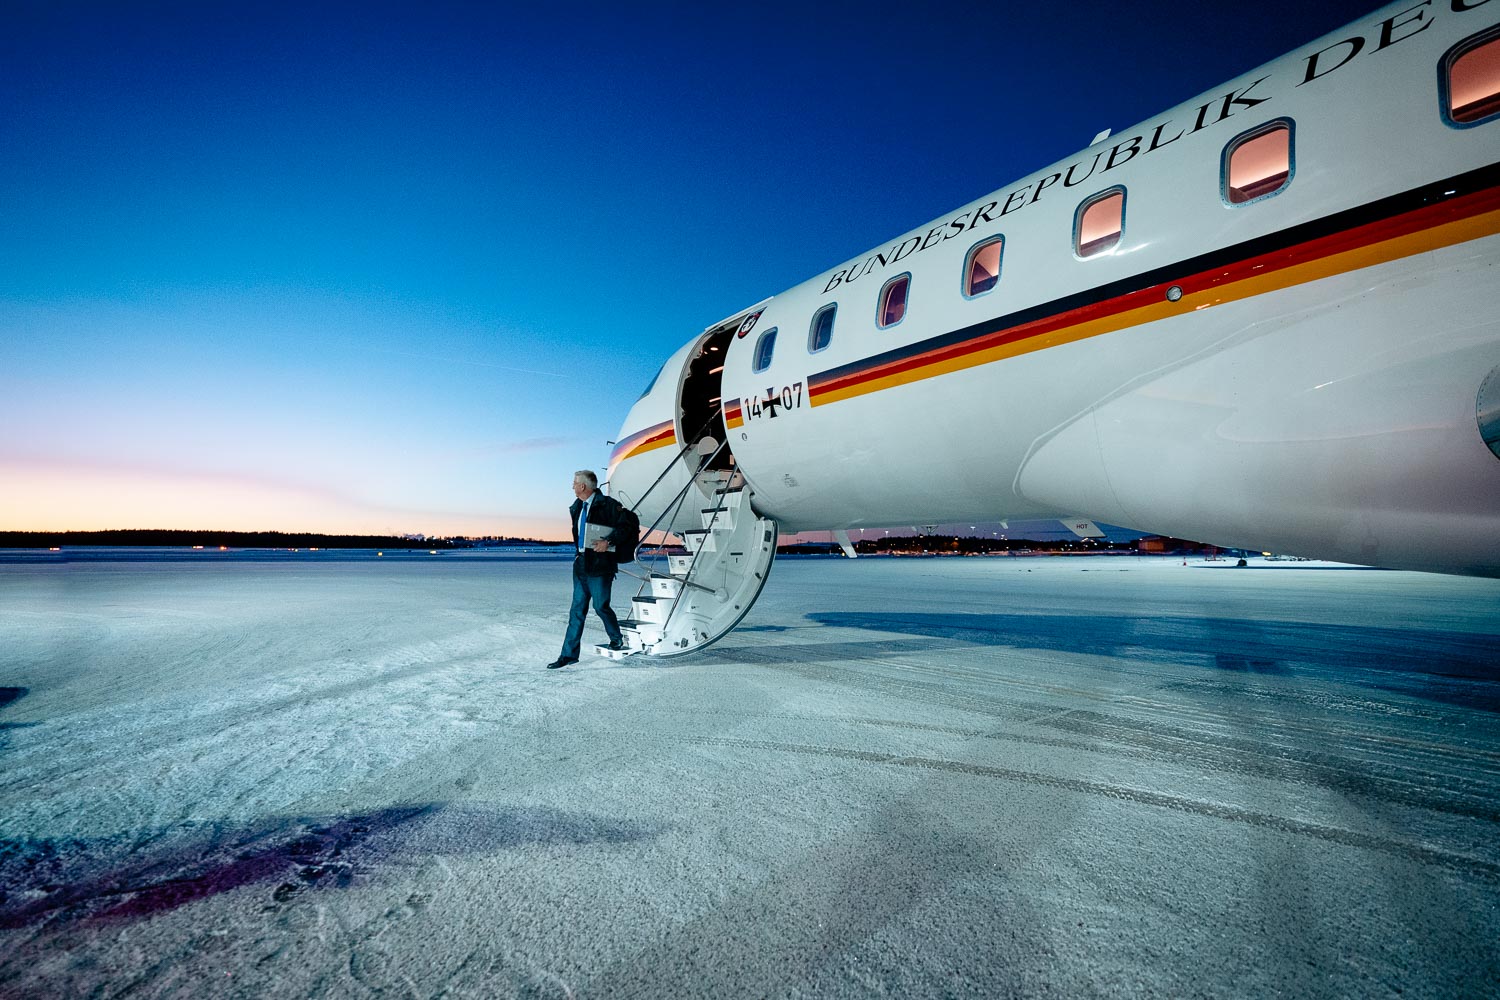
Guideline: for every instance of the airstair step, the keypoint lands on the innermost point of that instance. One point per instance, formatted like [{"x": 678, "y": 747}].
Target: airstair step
[
  {"x": 651, "y": 609},
  {"x": 718, "y": 517},
  {"x": 637, "y": 631},
  {"x": 680, "y": 565},
  {"x": 702, "y": 539},
  {"x": 665, "y": 586}
]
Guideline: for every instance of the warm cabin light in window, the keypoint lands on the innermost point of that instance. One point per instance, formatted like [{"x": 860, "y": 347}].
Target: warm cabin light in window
[
  {"x": 1101, "y": 220},
  {"x": 1258, "y": 164},
  {"x": 893, "y": 300},
  {"x": 764, "y": 347},
  {"x": 821, "y": 333},
  {"x": 983, "y": 272},
  {"x": 1473, "y": 91}
]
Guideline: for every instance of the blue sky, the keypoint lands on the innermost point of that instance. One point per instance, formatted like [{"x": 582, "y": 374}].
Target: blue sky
[{"x": 403, "y": 268}]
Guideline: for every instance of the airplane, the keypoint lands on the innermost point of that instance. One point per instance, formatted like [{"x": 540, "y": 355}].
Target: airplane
[{"x": 1267, "y": 319}]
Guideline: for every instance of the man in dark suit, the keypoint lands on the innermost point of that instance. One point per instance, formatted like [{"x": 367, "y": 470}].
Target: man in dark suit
[{"x": 593, "y": 566}]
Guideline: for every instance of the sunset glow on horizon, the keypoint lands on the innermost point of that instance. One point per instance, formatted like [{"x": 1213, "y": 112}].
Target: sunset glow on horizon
[{"x": 51, "y": 497}]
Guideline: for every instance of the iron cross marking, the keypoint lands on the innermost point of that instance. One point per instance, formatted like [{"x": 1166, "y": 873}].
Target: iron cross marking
[{"x": 772, "y": 400}]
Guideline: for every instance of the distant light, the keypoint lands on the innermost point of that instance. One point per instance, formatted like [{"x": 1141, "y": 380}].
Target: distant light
[
  {"x": 380, "y": 553},
  {"x": 432, "y": 552},
  {"x": 54, "y": 549},
  {"x": 312, "y": 550},
  {"x": 197, "y": 546},
  {"x": 223, "y": 548}
]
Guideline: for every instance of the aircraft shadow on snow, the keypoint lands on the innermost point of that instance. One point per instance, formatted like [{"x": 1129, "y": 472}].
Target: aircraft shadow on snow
[
  {"x": 1443, "y": 665},
  {"x": 8, "y": 696},
  {"x": 135, "y": 877}
]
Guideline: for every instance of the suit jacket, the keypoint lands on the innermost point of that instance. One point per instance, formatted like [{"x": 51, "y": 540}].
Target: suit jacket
[{"x": 602, "y": 510}]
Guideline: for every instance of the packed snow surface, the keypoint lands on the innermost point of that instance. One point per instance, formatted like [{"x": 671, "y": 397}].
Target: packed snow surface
[{"x": 222, "y": 775}]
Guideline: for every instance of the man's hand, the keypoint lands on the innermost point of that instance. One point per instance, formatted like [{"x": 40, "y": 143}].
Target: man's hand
[{"x": 601, "y": 546}]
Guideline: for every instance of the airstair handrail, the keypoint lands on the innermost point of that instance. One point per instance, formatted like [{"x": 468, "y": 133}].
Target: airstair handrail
[{"x": 707, "y": 592}]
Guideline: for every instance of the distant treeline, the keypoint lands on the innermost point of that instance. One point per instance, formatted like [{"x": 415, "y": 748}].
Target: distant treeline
[
  {"x": 232, "y": 539},
  {"x": 957, "y": 543},
  {"x": 973, "y": 545}
]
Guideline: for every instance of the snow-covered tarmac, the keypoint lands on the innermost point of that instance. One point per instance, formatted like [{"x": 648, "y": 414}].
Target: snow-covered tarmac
[{"x": 900, "y": 777}]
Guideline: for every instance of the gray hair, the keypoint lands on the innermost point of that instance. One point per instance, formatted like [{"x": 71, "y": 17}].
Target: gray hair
[{"x": 588, "y": 477}]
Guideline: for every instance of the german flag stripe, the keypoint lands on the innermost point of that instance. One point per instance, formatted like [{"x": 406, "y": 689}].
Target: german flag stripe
[
  {"x": 734, "y": 414},
  {"x": 1433, "y": 216},
  {"x": 650, "y": 439}
]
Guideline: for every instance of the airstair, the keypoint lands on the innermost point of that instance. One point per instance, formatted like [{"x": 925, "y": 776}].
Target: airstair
[{"x": 690, "y": 599}]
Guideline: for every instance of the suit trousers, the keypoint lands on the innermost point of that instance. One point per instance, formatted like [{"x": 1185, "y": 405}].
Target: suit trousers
[{"x": 585, "y": 589}]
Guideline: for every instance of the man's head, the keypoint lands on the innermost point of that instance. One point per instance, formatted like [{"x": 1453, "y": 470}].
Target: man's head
[{"x": 584, "y": 484}]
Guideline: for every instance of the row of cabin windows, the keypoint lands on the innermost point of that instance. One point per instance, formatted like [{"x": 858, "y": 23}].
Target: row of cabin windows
[{"x": 1255, "y": 165}]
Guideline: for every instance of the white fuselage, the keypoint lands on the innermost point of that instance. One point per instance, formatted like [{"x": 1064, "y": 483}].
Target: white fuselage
[{"x": 1295, "y": 373}]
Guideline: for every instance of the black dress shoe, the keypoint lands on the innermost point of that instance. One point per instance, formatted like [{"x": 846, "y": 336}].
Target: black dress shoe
[
  {"x": 561, "y": 661},
  {"x": 617, "y": 644}
]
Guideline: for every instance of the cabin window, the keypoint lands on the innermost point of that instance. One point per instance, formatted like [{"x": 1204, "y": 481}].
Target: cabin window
[
  {"x": 1469, "y": 79},
  {"x": 820, "y": 334},
  {"x": 1258, "y": 163},
  {"x": 982, "y": 267},
  {"x": 764, "y": 347},
  {"x": 1099, "y": 223},
  {"x": 893, "y": 300}
]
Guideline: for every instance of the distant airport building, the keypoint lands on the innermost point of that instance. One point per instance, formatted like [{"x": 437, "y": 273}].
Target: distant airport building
[{"x": 1165, "y": 545}]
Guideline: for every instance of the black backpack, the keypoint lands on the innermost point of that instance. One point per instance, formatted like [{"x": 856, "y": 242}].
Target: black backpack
[{"x": 626, "y": 536}]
